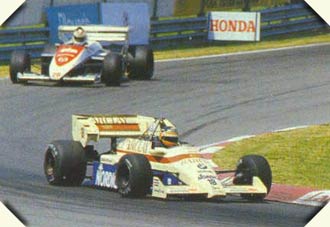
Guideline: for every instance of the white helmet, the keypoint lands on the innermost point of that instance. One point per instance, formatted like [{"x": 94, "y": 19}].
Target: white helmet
[{"x": 79, "y": 35}]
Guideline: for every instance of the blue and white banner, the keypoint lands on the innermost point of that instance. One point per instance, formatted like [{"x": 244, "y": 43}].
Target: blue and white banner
[
  {"x": 134, "y": 15},
  {"x": 71, "y": 15}
]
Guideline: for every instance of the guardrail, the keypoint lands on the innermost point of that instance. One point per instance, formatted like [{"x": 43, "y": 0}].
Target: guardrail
[
  {"x": 289, "y": 19},
  {"x": 30, "y": 39},
  {"x": 275, "y": 21},
  {"x": 167, "y": 32}
]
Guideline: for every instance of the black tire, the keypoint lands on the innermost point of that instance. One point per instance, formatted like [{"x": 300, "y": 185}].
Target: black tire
[
  {"x": 49, "y": 50},
  {"x": 141, "y": 62},
  {"x": 112, "y": 70},
  {"x": 249, "y": 166},
  {"x": 65, "y": 163},
  {"x": 134, "y": 176},
  {"x": 20, "y": 62}
]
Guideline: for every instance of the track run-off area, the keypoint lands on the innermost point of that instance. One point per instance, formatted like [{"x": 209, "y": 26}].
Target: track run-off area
[{"x": 210, "y": 99}]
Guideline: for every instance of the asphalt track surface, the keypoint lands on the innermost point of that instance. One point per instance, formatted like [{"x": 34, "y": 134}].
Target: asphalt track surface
[{"x": 209, "y": 99}]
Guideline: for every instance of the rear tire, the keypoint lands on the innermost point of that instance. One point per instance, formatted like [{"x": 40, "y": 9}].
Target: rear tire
[
  {"x": 19, "y": 62},
  {"x": 65, "y": 163},
  {"x": 112, "y": 70},
  {"x": 250, "y": 166},
  {"x": 141, "y": 62},
  {"x": 134, "y": 176}
]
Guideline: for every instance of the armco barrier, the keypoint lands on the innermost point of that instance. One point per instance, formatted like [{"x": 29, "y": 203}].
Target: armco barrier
[
  {"x": 289, "y": 19},
  {"x": 30, "y": 39},
  {"x": 164, "y": 32},
  {"x": 275, "y": 21}
]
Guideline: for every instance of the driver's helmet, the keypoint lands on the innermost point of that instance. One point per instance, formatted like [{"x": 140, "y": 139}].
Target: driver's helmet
[
  {"x": 79, "y": 35},
  {"x": 169, "y": 137}
]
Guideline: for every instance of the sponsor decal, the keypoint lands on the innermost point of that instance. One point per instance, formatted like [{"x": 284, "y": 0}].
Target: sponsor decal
[
  {"x": 224, "y": 25},
  {"x": 66, "y": 53},
  {"x": 197, "y": 161},
  {"x": 115, "y": 124},
  {"x": 202, "y": 166},
  {"x": 110, "y": 120},
  {"x": 179, "y": 191},
  {"x": 104, "y": 175},
  {"x": 118, "y": 127},
  {"x": 64, "y": 19},
  {"x": 158, "y": 190},
  {"x": 156, "y": 182},
  {"x": 205, "y": 177},
  {"x": 240, "y": 26},
  {"x": 210, "y": 178}
]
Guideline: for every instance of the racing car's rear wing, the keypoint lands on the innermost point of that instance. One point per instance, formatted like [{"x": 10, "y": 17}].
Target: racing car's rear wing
[
  {"x": 98, "y": 33},
  {"x": 86, "y": 128}
]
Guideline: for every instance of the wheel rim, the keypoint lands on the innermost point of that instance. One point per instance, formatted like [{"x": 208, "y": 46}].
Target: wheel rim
[
  {"x": 50, "y": 166},
  {"x": 123, "y": 177}
]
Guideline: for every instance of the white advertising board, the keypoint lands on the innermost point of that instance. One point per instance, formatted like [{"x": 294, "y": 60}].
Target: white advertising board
[{"x": 235, "y": 26}]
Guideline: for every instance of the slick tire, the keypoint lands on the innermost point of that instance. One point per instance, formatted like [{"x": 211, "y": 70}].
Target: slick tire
[
  {"x": 141, "y": 62},
  {"x": 65, "y": 163},
  {"x": 19, "y": 62},
  {"x": 250, "y": 166},
  {"x": 112, "y": 70},
  {"x": 134, "y": 176},
  {"x": 46, "y": 58}
]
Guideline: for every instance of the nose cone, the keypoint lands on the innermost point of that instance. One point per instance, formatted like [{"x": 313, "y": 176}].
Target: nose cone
[
  {"x": 66, "y": 58},
  {"x": 199, "y": 173}
]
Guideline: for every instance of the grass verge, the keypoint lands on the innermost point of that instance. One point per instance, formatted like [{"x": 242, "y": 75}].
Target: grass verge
[
  {"x": 232, "y": 47},
  {"x": 297, "y": 157}
]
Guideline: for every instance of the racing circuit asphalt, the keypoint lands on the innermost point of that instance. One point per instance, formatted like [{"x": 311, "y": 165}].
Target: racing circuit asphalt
[{"x": 209, "y": 99}]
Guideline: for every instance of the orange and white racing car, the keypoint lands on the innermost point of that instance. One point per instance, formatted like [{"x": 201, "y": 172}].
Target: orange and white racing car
[
  {"x": 145, "y": 156},
  {"x": 95, "y": 53}
]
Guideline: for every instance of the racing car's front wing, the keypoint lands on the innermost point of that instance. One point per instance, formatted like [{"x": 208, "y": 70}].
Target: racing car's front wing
[
  {"x": 89, "y": 78},
  {"x": 166, "y": 184}
]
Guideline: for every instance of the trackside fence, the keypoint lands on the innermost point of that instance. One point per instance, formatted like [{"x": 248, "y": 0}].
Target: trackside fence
[
  {"x": 290, "y": 19},
  {"x": 274, "y": 21},
  {"x": 32, "y": 40}
]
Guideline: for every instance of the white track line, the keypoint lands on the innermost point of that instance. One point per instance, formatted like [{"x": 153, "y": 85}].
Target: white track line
[
  {"x": 244, "y": 52},
  {"x": 239, "y": 138}
]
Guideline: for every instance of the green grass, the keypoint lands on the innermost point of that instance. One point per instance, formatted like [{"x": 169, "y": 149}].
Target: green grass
[
  {"x": 231, "y": 47},
  {"x": 298, "y": 157}
]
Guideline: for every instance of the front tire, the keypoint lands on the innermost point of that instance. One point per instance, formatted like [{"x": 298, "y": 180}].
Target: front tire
[
  {"x": 112, "y": 70},
  {"x": 141, "y": 62},
  {"x": 20, "y": 62},
  {"x": 134, "y": 176},
  {"x": 250, "y": 166},
  {"x": 65, "y": 163}
]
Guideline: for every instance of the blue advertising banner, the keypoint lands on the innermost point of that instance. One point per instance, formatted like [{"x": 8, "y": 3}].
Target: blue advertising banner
[
  {"x": 134, "y": 15},
  {"x": 71, "y": 15}
]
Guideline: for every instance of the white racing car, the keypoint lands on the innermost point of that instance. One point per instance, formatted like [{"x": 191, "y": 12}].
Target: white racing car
[
  {"x": 146, "y": 157},
  {"x": 90, "y": 62}
]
